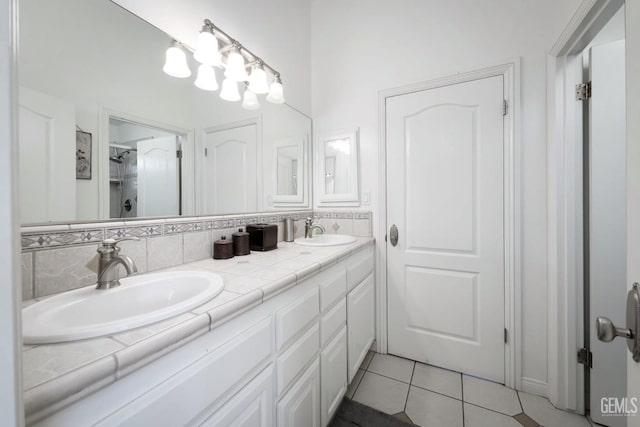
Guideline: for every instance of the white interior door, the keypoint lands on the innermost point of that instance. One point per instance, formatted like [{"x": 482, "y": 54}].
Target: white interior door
[
  {"x": 158, "y": 177},
  {"x": 47, "y": 158},
  {"x": 230, "y": 170},
  {"x": 607, "y": 223},
  {"x": 445, "y": 185},
  {"x": 632, "y": 35}
]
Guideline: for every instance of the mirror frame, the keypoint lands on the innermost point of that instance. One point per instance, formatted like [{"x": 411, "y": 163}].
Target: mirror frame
[
  {"x": 351, "y": 198},
  {"x": 301, "y": 199}
]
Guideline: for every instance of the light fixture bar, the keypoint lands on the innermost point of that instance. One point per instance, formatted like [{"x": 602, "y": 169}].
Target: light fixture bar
[{"x": 229, "y": 42}]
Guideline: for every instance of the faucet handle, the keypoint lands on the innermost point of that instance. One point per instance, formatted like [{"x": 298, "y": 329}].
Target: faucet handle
[
  {"x": 111, "y": 245},
  {"x": 309, "y": 221}
]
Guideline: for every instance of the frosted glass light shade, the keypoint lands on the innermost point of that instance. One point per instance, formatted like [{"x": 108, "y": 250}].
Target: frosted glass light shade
[
  {"x": 206, "y": 79},
  {"x": 207, "y": 49},
  {"x": 258, "y": 80},
  {"x": 236, "y": 67},
  {"x": 229, "y": 90},
  {"x": 250, "y": 100},
  {"x": 175, "y": 63},
  {"x": 276, "y": 93}
]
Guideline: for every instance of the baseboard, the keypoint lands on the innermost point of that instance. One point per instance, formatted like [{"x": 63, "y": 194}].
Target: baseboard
[{"x": 539, "y": 388}]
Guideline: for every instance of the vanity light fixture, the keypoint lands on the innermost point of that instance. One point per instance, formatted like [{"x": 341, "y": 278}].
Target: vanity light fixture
[
  {"x": 175, "y": 63},
  {"x": 206, "y": 79},
  {"x": 258, "y": 80},
  {"x": 207, "y": 49},
  {"x": 250, "y": 100},
  {"x": 276, "y": 95},
  {"x": 229, "y": 90},
  {"x": 215, "y": 48}
]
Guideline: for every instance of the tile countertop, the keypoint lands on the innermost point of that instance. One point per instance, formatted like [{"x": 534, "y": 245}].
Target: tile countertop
[{"x": 56, "y": 375}]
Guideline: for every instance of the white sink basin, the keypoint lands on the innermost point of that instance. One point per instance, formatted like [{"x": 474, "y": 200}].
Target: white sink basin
[
  {"x": 140, "y": 300},
  {"x": 326, "y": 240}
]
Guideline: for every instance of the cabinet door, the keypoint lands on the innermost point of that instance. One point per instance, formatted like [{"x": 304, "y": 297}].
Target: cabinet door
[
  {"x": 360, "y": 323},
  {"x": 301, "y": 405},
  {"x": 253, "y": 406},
  {"x": 333, "y": 375}
]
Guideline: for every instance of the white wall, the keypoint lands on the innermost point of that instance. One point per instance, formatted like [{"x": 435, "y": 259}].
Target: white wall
[
  {"x": 276, "y": 30},
  {"x": 11, "y": 409},
  {"x": 360, "y": 47}
]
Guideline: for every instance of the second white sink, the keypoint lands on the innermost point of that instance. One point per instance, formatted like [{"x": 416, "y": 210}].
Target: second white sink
[
  {"x": 326, "y": 240},
  {"x": 140, "y": 300}
]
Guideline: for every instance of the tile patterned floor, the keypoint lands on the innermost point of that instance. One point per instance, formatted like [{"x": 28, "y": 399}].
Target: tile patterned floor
[{"x": 429, "y": 396}]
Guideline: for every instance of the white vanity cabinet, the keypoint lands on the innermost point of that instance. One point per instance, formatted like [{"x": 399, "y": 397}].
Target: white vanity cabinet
[{"x": 285, "y": 362}]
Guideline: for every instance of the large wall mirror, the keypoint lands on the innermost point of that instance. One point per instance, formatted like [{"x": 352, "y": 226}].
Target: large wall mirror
[{"x": 105, "y": 134}]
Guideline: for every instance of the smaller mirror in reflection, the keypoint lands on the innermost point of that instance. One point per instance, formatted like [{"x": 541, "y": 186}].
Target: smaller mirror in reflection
[
  {"x": 288, "y": 170},
  {"x": 337, "y": 164}
]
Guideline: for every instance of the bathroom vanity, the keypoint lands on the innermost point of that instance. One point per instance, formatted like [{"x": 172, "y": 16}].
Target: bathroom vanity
[{"x": 278, "y": 347}]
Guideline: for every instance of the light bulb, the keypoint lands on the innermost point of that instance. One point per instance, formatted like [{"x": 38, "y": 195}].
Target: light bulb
[
  {"x": 258, "y": 80},
  {"x": 250, "y": 101},
  {"x": 229, "y": 90},
  {"x": 236, "y": 67},
  {"x": 206, "y": 79},
  {"x": 175, "y": 63},
  {"x": 276, "y": 95},
  {"x": 207, "y": 49}
]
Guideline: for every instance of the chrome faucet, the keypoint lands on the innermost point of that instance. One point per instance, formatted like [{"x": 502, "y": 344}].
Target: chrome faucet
[
  {"x": 309, "y": 226},
  {"x": 109, "y": 260}
]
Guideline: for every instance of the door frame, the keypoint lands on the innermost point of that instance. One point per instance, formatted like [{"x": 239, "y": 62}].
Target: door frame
[
  {"x": 187, "y": 190},
  {"x": 512, "y": 222},
  {"x": 565, "y": 257}
]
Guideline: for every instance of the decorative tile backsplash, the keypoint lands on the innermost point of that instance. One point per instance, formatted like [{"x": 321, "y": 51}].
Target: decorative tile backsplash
[{"x": 61, "y": 257}]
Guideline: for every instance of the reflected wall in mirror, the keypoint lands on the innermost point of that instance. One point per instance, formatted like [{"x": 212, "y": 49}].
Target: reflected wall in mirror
[
  {"x": 337, "y": 169},
  {"x": 93, "y": 66}
]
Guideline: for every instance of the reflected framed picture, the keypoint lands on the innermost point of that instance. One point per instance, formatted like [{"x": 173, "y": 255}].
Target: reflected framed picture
[{"x": 83, "y": 155}]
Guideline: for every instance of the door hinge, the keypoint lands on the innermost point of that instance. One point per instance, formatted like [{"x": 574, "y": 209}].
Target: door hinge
[
  {"x": 179, "y": 154},
  {"x": 506, "y": 335},
  {"x": 205, "y": 152},
  {"x": 583, "y": 91},
  {"x": 505, "y": 107},
  {"x": 585, "y": 357}
]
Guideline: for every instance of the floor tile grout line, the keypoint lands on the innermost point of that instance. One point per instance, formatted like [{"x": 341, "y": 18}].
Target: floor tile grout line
[
  {"x": 489, "y": 409},
  {"x": 520, "y": 402},
  {"x": 416, "y": 386},
  {"x": 358, "y": 385},
  {"x": 413, "y": 371}
]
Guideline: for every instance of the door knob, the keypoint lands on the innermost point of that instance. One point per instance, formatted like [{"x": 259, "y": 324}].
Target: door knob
[
  {"x": 607, "y": 331},
  {"x": 393, "y": 235}
]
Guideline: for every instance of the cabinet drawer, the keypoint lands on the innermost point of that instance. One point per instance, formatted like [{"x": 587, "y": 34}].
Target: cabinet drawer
[
  {"x": 253, "y": 406},
  {"x": 359, "y": 267},
  {"x": 300, "y": 407},
  {"x": 331, "y": 322},
  {"x": 296, "y": 317},
  {"x": 333, "y": 286},
  {"x": 333, "y": 375},
  {"x": 291, "y": 363},
  {"x": 203, "y": 386}
]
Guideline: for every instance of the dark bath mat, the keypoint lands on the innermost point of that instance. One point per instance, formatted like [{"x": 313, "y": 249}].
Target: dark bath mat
[{"x": 354, "y": 414}]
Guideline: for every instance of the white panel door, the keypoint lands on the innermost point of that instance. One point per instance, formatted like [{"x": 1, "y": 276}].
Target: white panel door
[
  {"x": 158, "y": 177},
  {"x": 445, "y": 181},
  {"x": 230, "y": 170},
  {"x": 632, "y": 34},
  {"x": 607, "y": 223},
  {"x": 47, "y": 158}
]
